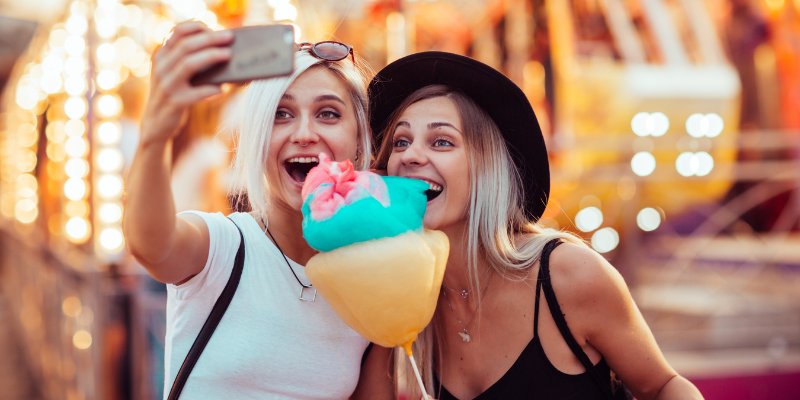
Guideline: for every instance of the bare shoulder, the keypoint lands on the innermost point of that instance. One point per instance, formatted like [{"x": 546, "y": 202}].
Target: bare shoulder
[{"x": 581, "y": 277}]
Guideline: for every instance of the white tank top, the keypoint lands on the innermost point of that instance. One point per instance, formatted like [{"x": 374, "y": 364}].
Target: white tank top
[{"x": 269, "y": 344}]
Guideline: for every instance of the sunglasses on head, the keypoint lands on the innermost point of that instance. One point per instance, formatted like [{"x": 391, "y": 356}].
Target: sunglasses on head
[{"x": 329, "y": 50}]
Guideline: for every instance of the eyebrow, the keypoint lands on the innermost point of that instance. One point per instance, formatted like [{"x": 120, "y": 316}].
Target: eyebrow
[
  {"x": 324, "y": 97},
  {"x": 434, "y": 125}
]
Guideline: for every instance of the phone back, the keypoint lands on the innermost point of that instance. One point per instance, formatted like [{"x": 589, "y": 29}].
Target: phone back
[{"x": 258, "y": 52}]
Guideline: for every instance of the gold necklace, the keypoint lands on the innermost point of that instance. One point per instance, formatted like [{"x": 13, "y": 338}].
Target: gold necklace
[{"x": 465, "y": 335}]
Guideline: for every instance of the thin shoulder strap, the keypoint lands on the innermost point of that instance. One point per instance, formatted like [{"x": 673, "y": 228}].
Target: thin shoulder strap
[
  {"x": 555, "y": 310},
  {"x": 211, "y": 323}
]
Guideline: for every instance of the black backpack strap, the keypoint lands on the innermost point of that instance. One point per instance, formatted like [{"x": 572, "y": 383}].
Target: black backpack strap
[
  {"x": 604, "y": 384},
  {"x": 211, "y": 323}
]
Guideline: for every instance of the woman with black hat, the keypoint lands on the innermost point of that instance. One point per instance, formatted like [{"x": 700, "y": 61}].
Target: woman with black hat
[{"x": 470, "y": 132}]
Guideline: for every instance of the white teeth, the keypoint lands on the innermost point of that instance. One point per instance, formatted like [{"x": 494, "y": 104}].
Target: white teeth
[
  {"x": 304, "y": 160},
  {"x": 433, "y": 186}
]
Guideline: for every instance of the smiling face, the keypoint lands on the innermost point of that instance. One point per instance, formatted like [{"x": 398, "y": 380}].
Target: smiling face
[
  {"x": 428, "y": 144},
  {"x": 314, "y": 116}
]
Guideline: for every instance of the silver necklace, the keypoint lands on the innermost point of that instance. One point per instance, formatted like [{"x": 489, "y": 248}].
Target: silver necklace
[
  {"x": 465, "y": 335},
  {"x": 311, "y": 296},
  {"x": 464, "y": 293}
]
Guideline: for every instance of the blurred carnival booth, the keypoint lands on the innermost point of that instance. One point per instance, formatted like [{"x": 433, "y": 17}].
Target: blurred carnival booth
[{"x": 673, "y": 138}]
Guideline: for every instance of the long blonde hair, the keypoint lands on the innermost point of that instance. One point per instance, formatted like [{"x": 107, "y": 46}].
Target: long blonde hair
[
  {"x": 498, "y": 232},
  {"x": 256, "y": 117}
]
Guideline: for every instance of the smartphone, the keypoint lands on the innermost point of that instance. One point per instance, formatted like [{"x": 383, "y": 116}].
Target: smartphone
[{"x": 259, "y": 52}]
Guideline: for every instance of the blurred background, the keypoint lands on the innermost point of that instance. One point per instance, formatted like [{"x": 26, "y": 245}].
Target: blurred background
[{"x": 673, "y": 128}]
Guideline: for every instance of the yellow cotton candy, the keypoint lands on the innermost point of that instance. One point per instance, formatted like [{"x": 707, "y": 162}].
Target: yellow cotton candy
[{"x": 385, "y": 289}]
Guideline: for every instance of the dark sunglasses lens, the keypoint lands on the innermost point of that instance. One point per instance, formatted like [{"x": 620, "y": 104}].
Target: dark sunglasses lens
[{"x": 331, "y": 51}]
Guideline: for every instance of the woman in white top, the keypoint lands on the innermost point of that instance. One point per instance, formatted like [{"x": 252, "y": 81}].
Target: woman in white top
[{"x": 271, "y": 343}]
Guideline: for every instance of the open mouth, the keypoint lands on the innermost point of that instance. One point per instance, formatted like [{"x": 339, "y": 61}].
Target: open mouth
[
  {"x": 434, "y": 191},
  {"x": 298, "y": 167}
]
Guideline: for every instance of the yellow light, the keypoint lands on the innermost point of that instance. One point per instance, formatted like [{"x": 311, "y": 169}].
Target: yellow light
[
  {"x": 162, "y": 31},
  {"x": 74, "y": 128},
  {"x": 297, "y": 32},
  {"x": 285, "y": 12},
  {"x": 76, "y": 168},
  {"x": 51, "y": 83},
  {"x": 26, "y": 211},
  {"x": 75, "y": 107},
  {"x": 106, "y": 52},
  {"x": 142, "y": 70},
  {"x": 26, "y": 135},
  {"x": 78, "y": 8},
  {"x": 26, "y": 160},
  {"x": 125, "y": 48},
  {"x": 111, "y": 238},
  {"x": 52, "y": 65},
  {"x": 75, "y": 85},
  {"x": 134, "y": 16},
  {"x": 108, "y": 105},
  {"x": 75, "y": 66},
  {"x": 82, "y": 340},
  {"x": 109, "y": 160},
  {"x": 107, "y": 79},
  {"x": 78, "y": 208},
  {"x": 75, "y": 147},
  {"x": 76, "y": 25},
  {"x": 108, "y": 133},
  {"x": 77, "y": 228},
  {"x": 74, "y": 188},
  {"x": 136, "y": 59},
  {"x": 28, "y": 183},
  {"x": 86, "y": 317},
  {"x": 74, "y": 45},
  {"x": 110, "y": 213},
  {"x": 27, "y": 97},
  {"x": 207, "y": 17},
  {"x": 71, "y": 306},
  {"x": 109, "y": 186},
  {"x": 55, "y": 131},
  {"x": 55, "y": 152},
  {"x": 57, "y": 37}
]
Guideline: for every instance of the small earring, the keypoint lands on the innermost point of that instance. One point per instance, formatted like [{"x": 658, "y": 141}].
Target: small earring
[{"x": 358, "y": 154}]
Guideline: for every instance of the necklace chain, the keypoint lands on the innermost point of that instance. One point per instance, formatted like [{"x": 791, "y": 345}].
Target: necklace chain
[
  {"x": 465, "y": 335},
  {"x": 464, "y": 293},
  {"x": 304, "y": 286}
]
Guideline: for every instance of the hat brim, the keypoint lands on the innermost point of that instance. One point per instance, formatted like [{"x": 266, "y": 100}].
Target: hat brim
[{"x": 505, "y": 103}]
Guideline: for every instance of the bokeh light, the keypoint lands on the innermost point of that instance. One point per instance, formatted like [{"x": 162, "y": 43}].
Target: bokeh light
[
  {"x": 589, "y": 219},
  {"x": 648, "y": 219},
  {"x": 643, "y": 163},
  {"x": 605, "y": 240}
]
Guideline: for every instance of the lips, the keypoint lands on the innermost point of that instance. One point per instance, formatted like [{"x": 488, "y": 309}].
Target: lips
[
  {"x": 434, "y": 189},
  {"x": 298, "y": 167}
]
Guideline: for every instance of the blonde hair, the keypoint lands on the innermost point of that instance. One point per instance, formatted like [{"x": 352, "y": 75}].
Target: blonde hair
[
  {"x": 498, "y": 231},
  {"x": 253, "y": 125}
]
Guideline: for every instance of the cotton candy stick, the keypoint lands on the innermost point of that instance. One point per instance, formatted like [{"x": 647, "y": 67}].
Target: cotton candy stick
[{"x": 407, "y": 348}]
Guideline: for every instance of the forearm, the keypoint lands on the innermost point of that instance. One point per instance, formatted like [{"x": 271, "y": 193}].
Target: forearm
[
  {"x": 679, "y": 388},
  {"x": 150, "y": 210}
]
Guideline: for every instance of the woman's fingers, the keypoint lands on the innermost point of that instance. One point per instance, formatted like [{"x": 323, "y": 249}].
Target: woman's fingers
[
  {"x": 197, "y": 93},
  {"x": 182, "y": 30},
  {"x": 191, "y": 44},
  {"x": 194, "y": 63}
]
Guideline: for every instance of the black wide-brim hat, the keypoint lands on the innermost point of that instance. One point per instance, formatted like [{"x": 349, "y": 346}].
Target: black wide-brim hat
[{"x": 488, "y": 88}]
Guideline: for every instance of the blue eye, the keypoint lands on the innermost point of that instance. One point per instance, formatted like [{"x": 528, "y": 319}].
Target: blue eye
[
  {"x": 401, "y": 143},
  {"x": 442, "y": 142}
]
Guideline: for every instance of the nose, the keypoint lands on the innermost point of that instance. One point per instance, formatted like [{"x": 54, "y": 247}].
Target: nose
[
  {"x": 305, "y": 133},
  {"x": 414, "y": 155}
]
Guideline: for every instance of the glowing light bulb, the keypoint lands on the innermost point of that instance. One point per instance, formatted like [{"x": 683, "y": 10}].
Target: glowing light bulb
[
  {"x": 108, "y": 105},
  {"x": 75, "y": 188},
  {"x": 106, "y": 52},
  {"x": 109, "y": 186},
  {"x": 74, "y": 45},
  {"x": 643, "y": 163},
  {"x": 589, "y": 219},
  {"x": 52, "y": 65},
  {"x": 75, "y": 147},
  {"x": 111, "y": 239},
  {"x": 285, "y": 12},
  {"x": 605, "y": 240},
  {"x": 109, "y": 160},
  {"x": 107, "y": 79},
  {"x": 108, "y": 133},
  {"x": 82, "y": 340},
  {"x": 74, "y": 128},
  {"x": 74, "y": 66},
  {"x": 110, "y": 213},
  {"x": 705, "y": 163},
  {"x": 648, "y": 219},
  {"x": 686, "y": 164},
  {"x": 75, "y": 107},
  {"x": 76, "y": 168},
  {"x": 27, "y": 97},
  {"x": 76, "y": 25}
]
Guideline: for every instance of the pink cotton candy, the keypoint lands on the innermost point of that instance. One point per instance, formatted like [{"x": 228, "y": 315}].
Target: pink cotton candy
[{"x": 337, "y": 184}]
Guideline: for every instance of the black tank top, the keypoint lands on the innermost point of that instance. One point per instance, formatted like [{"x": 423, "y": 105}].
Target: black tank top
[{"x": 533, "y": 376}]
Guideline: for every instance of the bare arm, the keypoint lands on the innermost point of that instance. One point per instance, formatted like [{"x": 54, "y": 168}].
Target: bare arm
[
  {"x": 171, "y": 248},
  {"x": 375, "y": 381},
  {"x": 601, "y": 313}
]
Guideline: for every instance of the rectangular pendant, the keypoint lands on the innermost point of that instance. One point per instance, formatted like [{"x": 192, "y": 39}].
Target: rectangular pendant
[{"x": 306, "y": 295}]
